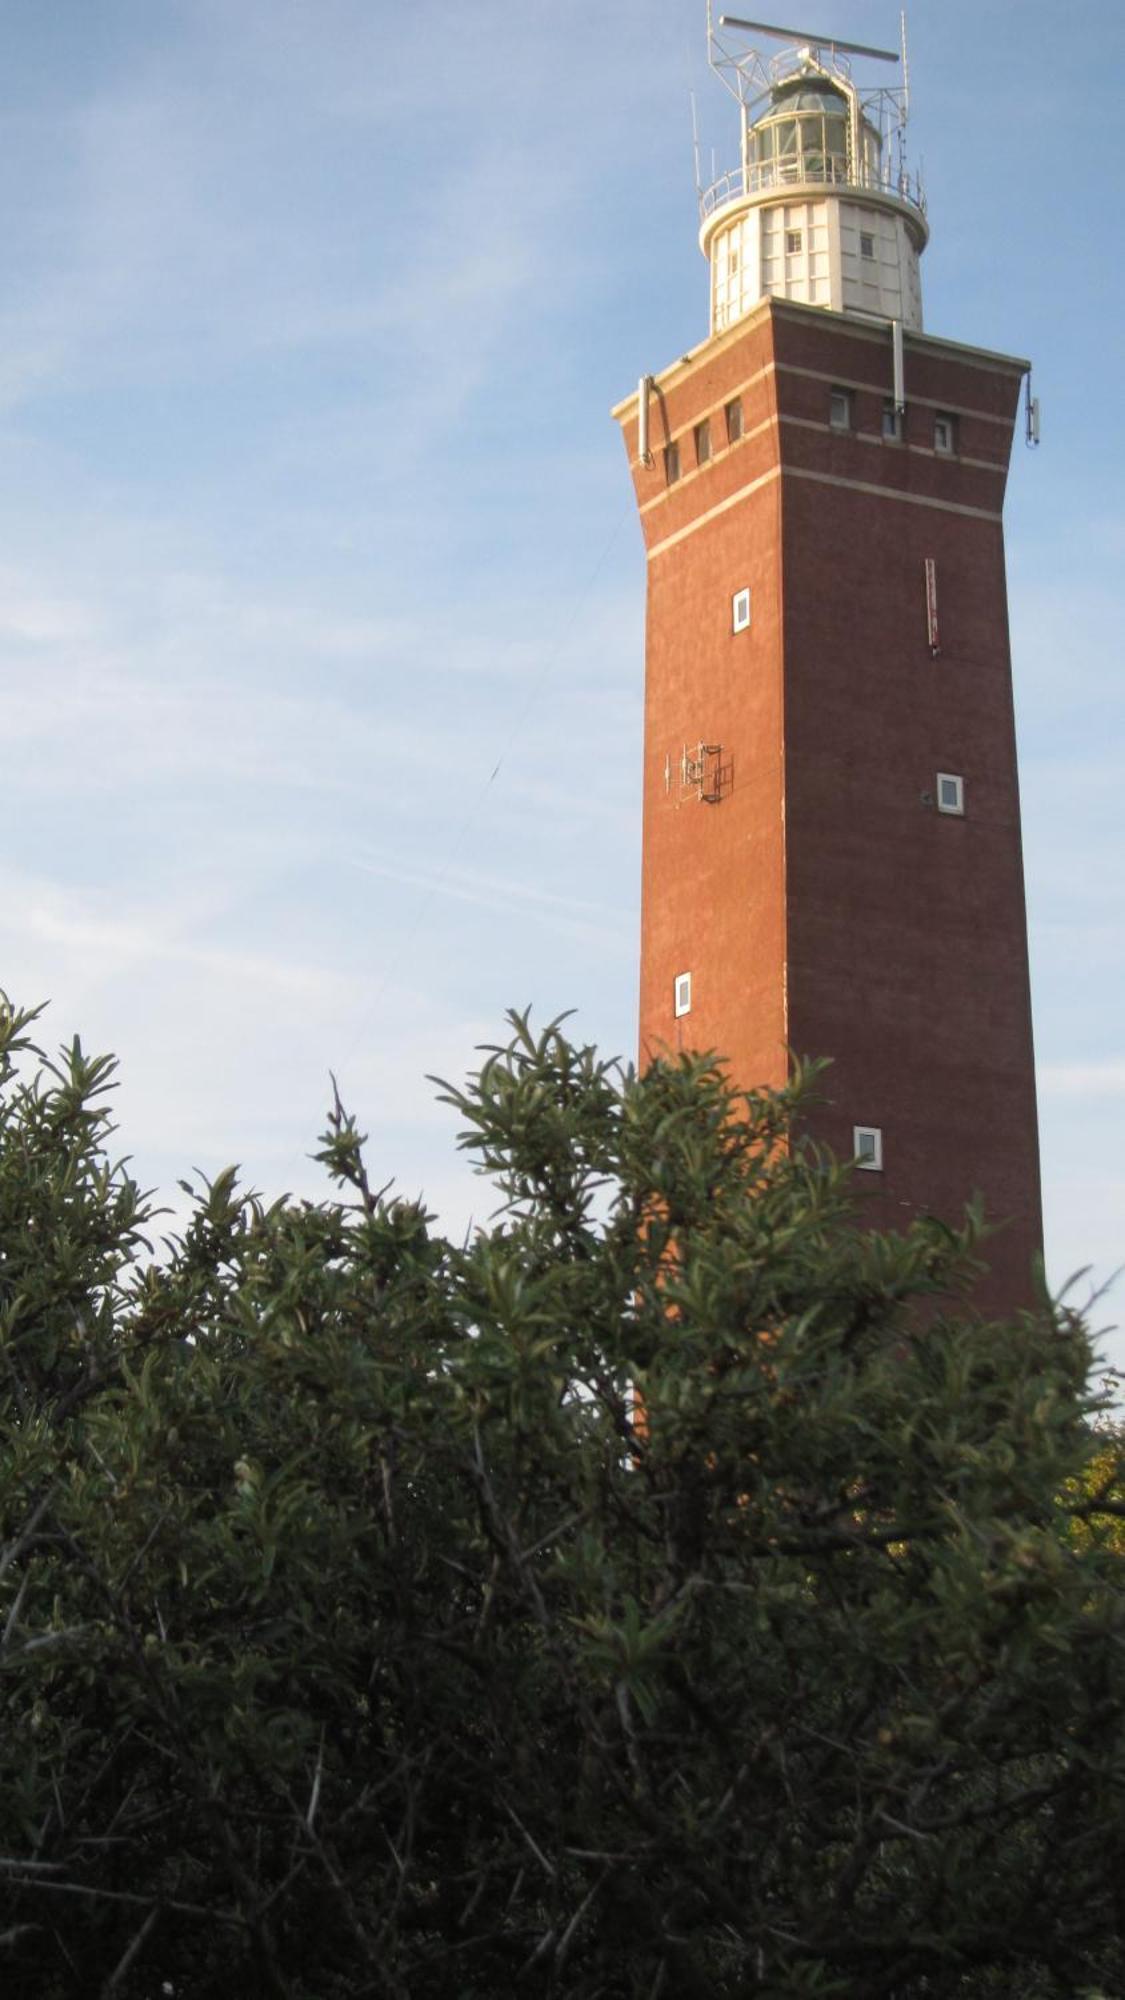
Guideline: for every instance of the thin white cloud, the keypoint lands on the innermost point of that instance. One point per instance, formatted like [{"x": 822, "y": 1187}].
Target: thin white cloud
[
  {"x": 1104, "y": 1079},
  {"x": 500, "y": 893},
  {"x": 116, "y": 945}
]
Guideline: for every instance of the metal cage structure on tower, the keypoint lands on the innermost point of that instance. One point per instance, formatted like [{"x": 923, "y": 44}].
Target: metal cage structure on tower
[{"x": 806, "y": 122}]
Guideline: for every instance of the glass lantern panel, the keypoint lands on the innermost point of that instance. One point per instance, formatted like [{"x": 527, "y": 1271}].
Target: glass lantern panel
[{"x": 812, "y": 148}]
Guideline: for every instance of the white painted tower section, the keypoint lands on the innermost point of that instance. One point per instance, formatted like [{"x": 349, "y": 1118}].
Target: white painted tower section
[{"x": 816, "y": 211}]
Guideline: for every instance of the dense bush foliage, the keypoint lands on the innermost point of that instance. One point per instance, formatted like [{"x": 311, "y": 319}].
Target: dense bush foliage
[{"x": 670, "y": 1591}]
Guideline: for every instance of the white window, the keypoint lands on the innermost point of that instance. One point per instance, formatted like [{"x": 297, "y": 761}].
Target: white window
[
  {"x": 740, "y": 611},
  {"x": 950, "y": 792},
  {"x": 792, "y": 242},
  {"x": 683, "y": 993},
  {"x": 866, "y": 244},
  {"x": 867, "y": 1141},
  {"x": 892, "y": 423},
  {"x": 840, "y": 410},
  {"x": 734, "y": 421},
  {"x": 945, "y": 433}
]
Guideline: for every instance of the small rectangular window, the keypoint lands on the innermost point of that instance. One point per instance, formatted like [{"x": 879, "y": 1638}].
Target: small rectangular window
[
  {"x": 702, "y": 442},
  {"x": 840, "y": 409},
  {"x": 683, "y": 994},
  {"x": 866, "y": 244},
  {"x": 734, "y": 421},
  {"x": 950, "y": 793},
  {"x": 892, "y": 423},
  {"x": 792, "y": 242},
  {"x": 740, "y": 611},
  {"x": 671, "y": 463},
  {"x": 945, "y": 434},
  {"x": 867, "y": 1141}
]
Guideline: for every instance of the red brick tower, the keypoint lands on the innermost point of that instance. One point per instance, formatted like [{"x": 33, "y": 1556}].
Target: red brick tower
[{"x": 832, "y": 853}]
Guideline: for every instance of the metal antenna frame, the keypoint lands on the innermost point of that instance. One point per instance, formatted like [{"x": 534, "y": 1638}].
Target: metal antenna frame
[{"x": 807, "y": 39}]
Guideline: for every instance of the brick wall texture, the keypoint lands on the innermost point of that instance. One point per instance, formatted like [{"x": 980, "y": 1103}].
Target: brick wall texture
[{"x": 822, "y": 903}]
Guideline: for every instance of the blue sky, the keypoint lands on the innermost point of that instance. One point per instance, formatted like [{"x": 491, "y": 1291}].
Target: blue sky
[{"x": 311, "y": 317}]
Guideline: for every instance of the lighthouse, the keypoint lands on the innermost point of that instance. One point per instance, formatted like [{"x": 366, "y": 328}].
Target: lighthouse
[{"x": 831, "y": 841}]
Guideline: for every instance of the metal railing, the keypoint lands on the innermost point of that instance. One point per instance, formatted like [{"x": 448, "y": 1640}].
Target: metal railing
[{"x": 826, "y": 172}]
